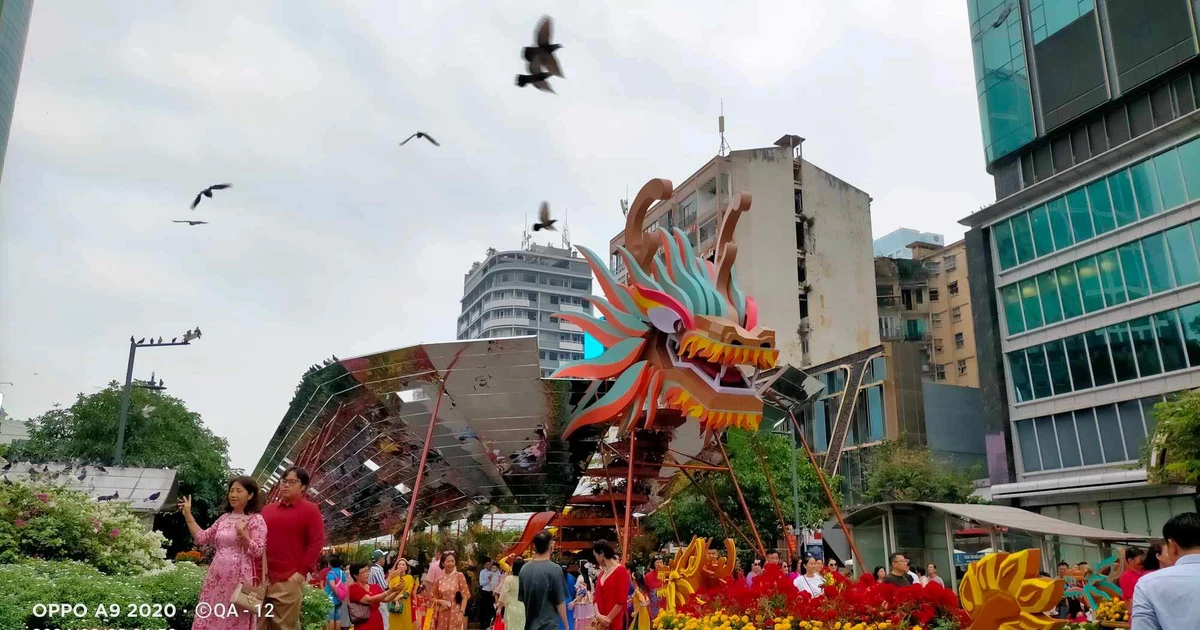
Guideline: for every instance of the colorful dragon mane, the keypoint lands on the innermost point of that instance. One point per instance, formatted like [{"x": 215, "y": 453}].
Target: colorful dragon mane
[{"x": 678, "y": 333}]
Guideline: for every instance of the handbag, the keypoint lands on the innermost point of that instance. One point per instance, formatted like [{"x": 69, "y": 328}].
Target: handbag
[
  {"x": 248, "y": 598},
  {"x": 360, "y": 613}
]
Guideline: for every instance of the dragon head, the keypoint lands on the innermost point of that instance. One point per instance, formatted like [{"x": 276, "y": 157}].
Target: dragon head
[{"x": 678, "y": 332}]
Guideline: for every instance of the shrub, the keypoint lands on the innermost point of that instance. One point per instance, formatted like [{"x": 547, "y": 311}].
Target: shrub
[
  {"x": 314, "y": 609},
  {"x": 54, "y": 523}
]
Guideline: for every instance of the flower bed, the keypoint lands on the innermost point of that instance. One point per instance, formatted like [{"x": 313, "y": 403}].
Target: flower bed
[{"x": 774, "y": 603}]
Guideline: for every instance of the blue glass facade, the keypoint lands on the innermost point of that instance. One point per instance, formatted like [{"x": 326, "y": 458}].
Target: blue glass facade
[
  {"x": 14, "y": 26},
  {"x": 1001, "y": 76}
]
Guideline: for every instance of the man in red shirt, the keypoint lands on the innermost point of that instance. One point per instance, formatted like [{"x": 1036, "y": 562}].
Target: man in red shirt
[{"x": 295, "y": 536}]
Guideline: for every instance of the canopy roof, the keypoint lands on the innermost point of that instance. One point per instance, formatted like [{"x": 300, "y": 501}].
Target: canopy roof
[
  {"x": 1000, "y": 516},
  {"x": 359, "y": 425}
]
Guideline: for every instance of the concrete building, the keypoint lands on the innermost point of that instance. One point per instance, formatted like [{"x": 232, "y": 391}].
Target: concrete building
[
  {"x": 881, "y": 393},
  {"x": 1084, "y": 273},
  {"x": 514, "y": 293},
  {"x": 924, "y": 298},
  {"x": 803, "y": 249},
  {"x": 14, "y": 26},
  {"x": 899, "y": 242}
]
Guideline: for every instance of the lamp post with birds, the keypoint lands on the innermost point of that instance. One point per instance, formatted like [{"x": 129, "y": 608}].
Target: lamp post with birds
[{"x": 133, "y": 346}]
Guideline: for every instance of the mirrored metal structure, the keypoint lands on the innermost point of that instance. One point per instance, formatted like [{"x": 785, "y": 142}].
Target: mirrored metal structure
[{"x": 359, "y": 426}]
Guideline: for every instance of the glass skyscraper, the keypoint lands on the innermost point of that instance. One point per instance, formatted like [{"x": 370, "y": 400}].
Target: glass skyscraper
[
  {"x": 14, "y": 26},
  {"x": 1085, "y": 272}
]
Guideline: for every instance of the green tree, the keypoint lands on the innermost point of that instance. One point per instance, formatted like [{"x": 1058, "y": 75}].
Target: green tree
[
  {"x": 691, "y": 513},
  {"x": 896, "y": 471},
  {"x": 1177, "y": 432},
  {"x": 160, "y": 433}
]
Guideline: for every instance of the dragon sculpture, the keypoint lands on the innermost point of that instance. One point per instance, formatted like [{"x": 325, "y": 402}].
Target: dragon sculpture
[{"x": 678, "y": 332}]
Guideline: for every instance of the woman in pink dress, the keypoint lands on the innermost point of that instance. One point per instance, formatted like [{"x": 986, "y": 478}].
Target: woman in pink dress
[
  {"x": 450, "y": 595},
  {"x": 240, "y": 538}
]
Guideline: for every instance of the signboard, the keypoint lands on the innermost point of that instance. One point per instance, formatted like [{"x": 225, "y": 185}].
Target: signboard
[{"x": 962, "y": 559}]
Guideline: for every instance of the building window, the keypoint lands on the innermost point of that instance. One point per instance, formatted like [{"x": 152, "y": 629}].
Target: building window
[
  {"x": 962, "y": 367},
  {"x": 941, "y": 372},
  {"x": 936, "y": 320},
  {"x": 933, "y": 295},
  {"x": 956, "y": 314},
  {"x": 958, "y": 340},
  {"x": 950, "y": 263},
  {"x": 953, "y": 287},
  {"x": 937, "y": 346}
]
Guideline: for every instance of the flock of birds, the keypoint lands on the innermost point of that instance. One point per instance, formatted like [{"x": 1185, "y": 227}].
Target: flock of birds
[
  {"x": 541, "y": 64},
  {"x": 46, "y": 474}
]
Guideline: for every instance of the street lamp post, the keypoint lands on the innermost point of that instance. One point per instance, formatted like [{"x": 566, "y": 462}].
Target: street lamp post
[{"x": 133, "y": 346}]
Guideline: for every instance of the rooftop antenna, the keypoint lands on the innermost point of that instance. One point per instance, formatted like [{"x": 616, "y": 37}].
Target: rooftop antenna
[
  {"x": 724, "y": 148},
  {"x": 566, "y": 231},
  {"x": 525, "y": 238}
]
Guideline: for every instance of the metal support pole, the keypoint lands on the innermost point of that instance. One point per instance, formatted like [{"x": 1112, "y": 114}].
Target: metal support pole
[
  {"x": 795, "y": 488},
  {"x": 120, "y": 455},
  {"x": 762, "y": 549},
  {"x": 762, "y": 462},
  {"x": 628, "y": 496},
  {"x": 858, "y": 559}
]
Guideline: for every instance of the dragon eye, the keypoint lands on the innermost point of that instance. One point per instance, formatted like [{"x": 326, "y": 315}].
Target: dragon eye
[{"x": 665, "y": 319}]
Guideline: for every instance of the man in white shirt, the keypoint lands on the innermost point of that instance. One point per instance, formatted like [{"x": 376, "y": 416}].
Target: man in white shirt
[
  {"x": 1169, "y": 599},
  {"x": 379, "y": 578},
  {"x": 489, "y": 582}
]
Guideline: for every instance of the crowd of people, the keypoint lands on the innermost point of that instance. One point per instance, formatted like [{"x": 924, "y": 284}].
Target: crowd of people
[{"x": 278, "y": 548}]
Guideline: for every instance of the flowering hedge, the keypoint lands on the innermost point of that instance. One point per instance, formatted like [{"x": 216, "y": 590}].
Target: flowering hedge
[
  {"x": 774, "y": 603},
  {"x": 54, "y": 523}
]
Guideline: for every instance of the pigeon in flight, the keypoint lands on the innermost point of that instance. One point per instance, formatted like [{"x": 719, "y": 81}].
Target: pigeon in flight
[
  {"x": 544, "y": 220},
  {"x": 192, "y": 223},
  {"x": 101, "y": 468},
  {"x": 421, "y": 134},
  {"x": 541, "y": 54},
  {"x": 537, "y": 80},
  {"x": 207, "y": 192}
]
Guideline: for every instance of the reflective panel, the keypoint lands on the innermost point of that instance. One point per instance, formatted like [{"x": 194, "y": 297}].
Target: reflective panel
[
  {"x": 1121, "y": 348},
  {"x": 1111, "y": 441},
  {"x": 1170, "y": 179},
  {"x": 1031, "y": 305},
  {"x": 1170, "y": 341},
  {"x": 1131, "y": 427},
  {"x": 1189, "y": 319},
  {"x": 1048, "y": 291},
  {"x": 1014, "y": 320},
  {"x": 1120, "y": 187},
  {"x": 359, "y": 426},
  {"x": 1030, "y": 455},
  {"x": 1189, "y": 158},
  {"x": 1018, "y": 367},
  {"x": 1102, "y": 369},
  {"x": 1043, "y": 239},
  {"x": 1005, "y": 248},
  {"x": 1145, "y": 188},
  {"x": 1001, "y": 79},
  {"x": 1068, "y": 292},
  {"x": 1047, "y": 443},
  {"x": 1038, "y": 373},
  {"x": 1068, "y": 444},
  {"x": 1056, "y": 361},
  {"x": 1145, "y": 345},
  {"x": 1110, "y": 278},
  {"x": 1081, "y": 214},
  {"x": 1101, "y": 206},
  {"x": 1088, "y": 272},
  {"x": 1133, "y": 270},
  {"x": 1183, "y": 255},
  {"x": 1060, "y": 223},
  {"x": 1022, "y": 237},
  {"x": 1077, "y": 356},
  {"x": 1089, "y": 437},
  {"x": 1158, "y": 261}
]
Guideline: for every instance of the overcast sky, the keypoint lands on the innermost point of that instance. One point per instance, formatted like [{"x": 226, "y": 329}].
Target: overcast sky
[{"x": 334, "y": 240}]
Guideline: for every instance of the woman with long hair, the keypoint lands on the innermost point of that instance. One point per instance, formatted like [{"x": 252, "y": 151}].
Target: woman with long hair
[
  {"x": 612, "y": 587},
  {"x": 400, "y": 612},
  {"x": 641, "y": 604},
  {"x": 450, "y": 595},
  {"x": 812, "y": 582},
  {"x": 879, "y": 573},
  {"x": 585, "y": 609},
  {"x": 239, "y": 537},
  {"x": 511, "y": 608},
  {"x": 365, "y": 597}
]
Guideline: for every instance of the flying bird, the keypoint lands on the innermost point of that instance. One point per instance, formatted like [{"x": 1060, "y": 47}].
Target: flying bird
[
  {"x": 544, "y": 220},
  {"x": 147, "y": 410},
  {"x": 208, "y": 192},
  {"x": 421, "y": 134},
  {"x": 192, "y": 223},
  {"x": 101, "y": 468},
  {"x": 537, "y": 80},
  {"x": 541, "y": 54},
  {"x": 154, "y": 496}
]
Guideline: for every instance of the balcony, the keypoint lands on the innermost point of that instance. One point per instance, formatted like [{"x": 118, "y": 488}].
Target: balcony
[
  {"x": 499, "y": 302},
  {"x": 888, "y": 301},
  {"x": 497, "y": 322},
  {"x": 573, "y": 308},
  {"x": 571, "y": 346},
  {"x": 568, "y": 326}
]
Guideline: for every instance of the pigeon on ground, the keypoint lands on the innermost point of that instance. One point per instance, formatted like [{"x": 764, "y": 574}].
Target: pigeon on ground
[
  {"x": 141, "y": 341},
  {"x": 6, "y": 481},
  {"x": 6, "y": 467},
  {"x": 173, "y": 340},
  {"x": 544, "y": 220},
  {"x": 192, "y": 223},
  {"x": 109, "y": 497},
  {"x": 541, "y": 54},
  {"x": 82, "y": 473},
  {"x": 153, "y": 496},
  {"x": 160, "y": 340},
  {"x": 101, "y": 468},
  {"x": 208, "y": 192},
  {"x": 421, "y": 134}
]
